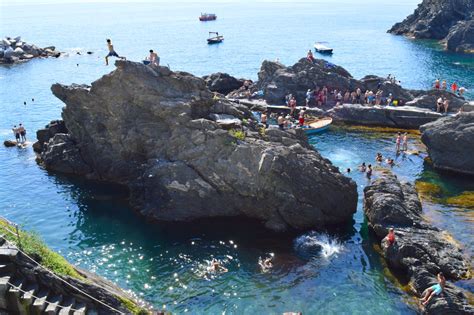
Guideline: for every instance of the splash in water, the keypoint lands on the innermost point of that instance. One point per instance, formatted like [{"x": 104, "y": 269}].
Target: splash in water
[{"x": 318, "y": 244}]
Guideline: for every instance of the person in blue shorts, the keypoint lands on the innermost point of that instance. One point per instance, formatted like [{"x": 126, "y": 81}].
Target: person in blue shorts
[
  {"x": 111, "y": 53},
  {"x": 434, "y": 289}
]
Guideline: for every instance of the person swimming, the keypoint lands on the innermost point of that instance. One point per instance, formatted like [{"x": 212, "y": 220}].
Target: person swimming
[
  {"x": 390, "y": 161},
  {"x": 369, "y": 171},
  {"x": 216, "y": 266},
  {"x": 434, "y": 289},
  {"x": 379, "y": 157},
  {"x": 363, "y": 167},
  {"x": 266, "y": 264}
]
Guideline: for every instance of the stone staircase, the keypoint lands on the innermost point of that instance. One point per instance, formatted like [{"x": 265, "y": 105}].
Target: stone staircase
[{"x": 19, "y": 295}]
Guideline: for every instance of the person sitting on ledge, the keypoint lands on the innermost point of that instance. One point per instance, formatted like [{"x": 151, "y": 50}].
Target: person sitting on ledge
[
  {"x": 310, "y": 56},
  {"x": 391, "y": 237},
  {"x": 154, "y": 59},
  {"x": 433, "y": 290}
]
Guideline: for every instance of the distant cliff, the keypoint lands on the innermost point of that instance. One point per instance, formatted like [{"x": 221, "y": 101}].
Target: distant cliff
[{"x": 450, "y": 21}]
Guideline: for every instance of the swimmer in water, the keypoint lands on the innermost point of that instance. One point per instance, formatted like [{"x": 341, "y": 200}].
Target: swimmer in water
[
  {"x": 390, "y": 162},
  {"x": 362, "y": 167},
  {"x": 379, "y": 157},
  {"x": 266, "y": 263},
  {"x": 216, "y": 266}
]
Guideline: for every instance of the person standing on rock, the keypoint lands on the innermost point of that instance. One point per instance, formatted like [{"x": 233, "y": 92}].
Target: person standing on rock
[
  {"x": 436, "y": 85},
  {"x": 436, "y": 289},
  {"x": 301, "y": 117},
  {"x": 444, "y": 85},
  {"x": 111, "y": 53},
  {"x": 310, "y": 56},
  {"x": 439, "y": 104},
  {"x": 405, "y": 142},
  {"x": 263, "y": 119},
  {"x": 454, "y": 87},
  {"x": 398, "y": 141},
  {"x": 292, "y": 106},
  {"x": 16, "y": 132},
  {"x": 446, "y": 105},
  {"x": 22, "y": 131},
  {"x": 391, "y": 237}
]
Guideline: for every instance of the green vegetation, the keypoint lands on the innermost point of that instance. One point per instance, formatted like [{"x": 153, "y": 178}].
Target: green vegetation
[
  {"x": 132, "y": 306},
  {"x": 32, "y": 245},
  {"x": 428, "y": 191},
  {"x": 466, "y": 200},
  {"x": 238, "y": 134}
]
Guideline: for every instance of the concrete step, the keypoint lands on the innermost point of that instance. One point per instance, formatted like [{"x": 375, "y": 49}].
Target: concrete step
[
  {"x": 14, "y": 295},
  {"x": 27, "y": 298},
  {"x": 7, "y": 269},
  {"x": 39, "y": 304},
  {"x": 67, "y": 304},
  {"x": 52, "y": 307},
  {"x": 80, "y": 308},
  {"x": 7, "y": 254},
  {"x": 4, "y": 286}
]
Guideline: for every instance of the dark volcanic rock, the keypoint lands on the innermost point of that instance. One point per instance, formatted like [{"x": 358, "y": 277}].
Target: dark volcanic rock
[
  {"x": 43, "y": 135},
  {"x": 406, "y": 117},
  {"x": 222, "y": 83},
  {"x": 429, "y": 99},
  {"x": 440, "y": 19},
  {"x": 276, "y": 81},
  {"x": 9, "y": 143},
  {"x": 450, "y": 142},
  {"x": 420, "y": 250},
  {"x": 150, "y": 129}
]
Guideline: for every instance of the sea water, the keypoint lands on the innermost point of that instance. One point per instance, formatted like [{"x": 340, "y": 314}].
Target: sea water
[{"x": 327, "y": 272}]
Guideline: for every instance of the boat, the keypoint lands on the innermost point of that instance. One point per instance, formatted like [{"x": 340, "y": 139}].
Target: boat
[
  {"x": 207, "y": 17},
  {"x": 317, "y": 125},
  {"x": 215, "y": 39},
  {"x": 322, "y": 49}
]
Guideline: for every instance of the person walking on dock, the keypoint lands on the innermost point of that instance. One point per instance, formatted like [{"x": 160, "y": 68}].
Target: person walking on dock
[{"x": 111, "y": 53}]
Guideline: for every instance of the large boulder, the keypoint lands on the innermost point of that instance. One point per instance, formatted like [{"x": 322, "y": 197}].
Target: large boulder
[
  {"x": 420, "y": 250},
  {"x": 222, "y": 83},
  {"x": 407, "y": 117},
  {"x": 450, "y": 142},
  {"x": 429, "y": 99},
  {"x": 151, "y": 129},
  {"x": 16, "y": 50},
  {"x": 48, "y": 132},
  {"x": 276, "y": 81},
  {"x": 440, "y": 19}
]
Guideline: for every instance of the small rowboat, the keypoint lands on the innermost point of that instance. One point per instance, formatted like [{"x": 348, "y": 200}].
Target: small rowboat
[
  {"x": 321, "y": 48},
  {"x": 207, "y": 17},
  {"x": 215, "y": 39},
  {"x": 316, "y": 126}
]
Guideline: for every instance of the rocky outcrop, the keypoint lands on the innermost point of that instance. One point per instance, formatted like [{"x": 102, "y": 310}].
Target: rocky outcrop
[
  {"x": 48, "y": 132},
  {"x": 14, "y": 50},
  {"x": 450, "y": 142},
  {"x": 406, "y": 117},
  {"x": 420, "y": 250},
  {"x": 277, "y": 80},
  {"x": 151, "y": 129},
  {"x": 428, "y": 100},
  {"x": 222, "y": 83},
  {"x": 451, "y": 21}
]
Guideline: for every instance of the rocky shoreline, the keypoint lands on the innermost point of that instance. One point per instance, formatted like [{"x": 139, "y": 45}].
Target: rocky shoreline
[
  {"x": 15, "y": 50},
  {"x": 451, "y": 22},
  {"x": 420, "y": 250},
  {"x": 165, "y": 136}
]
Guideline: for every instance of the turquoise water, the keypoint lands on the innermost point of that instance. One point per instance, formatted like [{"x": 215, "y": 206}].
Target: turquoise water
[{"x": 329, "y": 272}]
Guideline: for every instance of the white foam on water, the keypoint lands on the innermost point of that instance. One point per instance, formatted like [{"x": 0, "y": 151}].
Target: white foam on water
[{"x": 330, "y": 246}]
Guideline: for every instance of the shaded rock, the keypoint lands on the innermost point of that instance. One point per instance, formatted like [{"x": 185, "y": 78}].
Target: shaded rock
[
  {"x": 429, "y": 100},
  {"x": 9, "y": 143},
  {"x": 407, "y": 117},
  {"x": 43, "y": 135},
  {"x": 450, "y": 142},
  {"x": 222, "y": 83},
  {"x": 440, "y": 19},
  {"x": 461, "y": 37},
  {"x": 180, "y": 165},
  {"x": 420, "y": 250}
]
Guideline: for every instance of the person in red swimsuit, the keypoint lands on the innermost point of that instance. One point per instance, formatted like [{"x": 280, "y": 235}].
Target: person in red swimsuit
[{"x": 391, "y": 236}]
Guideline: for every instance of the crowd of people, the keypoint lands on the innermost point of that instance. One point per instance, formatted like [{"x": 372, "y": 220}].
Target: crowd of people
[{"x": 443, "y": 85}]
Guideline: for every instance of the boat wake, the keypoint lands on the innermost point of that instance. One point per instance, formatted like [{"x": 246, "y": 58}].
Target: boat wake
[{"x": 318, "y": 245}]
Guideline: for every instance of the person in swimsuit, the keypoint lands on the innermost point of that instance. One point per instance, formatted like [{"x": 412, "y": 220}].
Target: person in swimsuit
[
  {"x": 362, "y": 167},
  {"x": 454, "y": 87},
  {"x": 444, "y": 85},
  {"x": 154, "y": 59},
  {"x": 16, "y": 133},
  {"x": 390, "y": 161},
  {"x": 281, "y": 122},
  {"x": 369, "y": 171},
  {"x": 216, "y": 266},
  {"x": 111, "y": 53},
  {"x": 379, "y": 157},
  {"x": 391, "y": 237},
  {"x": 439, "y": 104},
  {"x": 405, "y": 142},
  {"x": 301, "y": 116},
  {"x": 310, "y": 56},
  {"x": 292, "y": 106},
  {"x": 446, "y": 105},
  {"x": 398, "y": 141},
  {"x": 263, "y": 119},
  {"x": 436, "y": 85},
  {"x": 22, "y": 132},
  {"x": 434, "y": 289}
]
